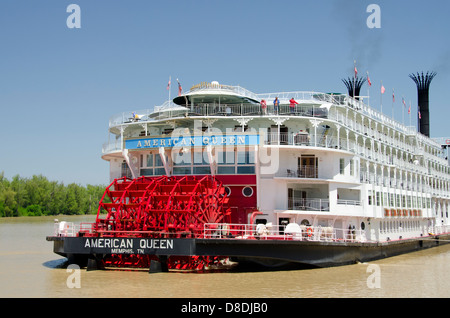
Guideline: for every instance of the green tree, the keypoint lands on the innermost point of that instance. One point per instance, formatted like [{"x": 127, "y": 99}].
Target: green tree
[
  {"x": 34, "y": 210},
  {"x": 39, "y": 196},
  {"x": 8, "y": 200}
]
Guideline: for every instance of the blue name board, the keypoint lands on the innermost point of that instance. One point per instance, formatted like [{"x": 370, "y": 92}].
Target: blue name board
[{"x": 192, "y": 141}]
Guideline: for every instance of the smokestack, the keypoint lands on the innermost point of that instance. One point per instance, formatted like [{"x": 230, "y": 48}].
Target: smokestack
[
  {"x": 354, "y": 85},
  {"x": 423, "y": 82}
]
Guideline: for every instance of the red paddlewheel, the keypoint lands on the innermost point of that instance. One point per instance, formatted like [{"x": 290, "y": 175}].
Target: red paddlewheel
[
  {"x": 162, "y": 207},
  {"x": 177, "y": 263},
  {"x": 195, "y": 263},
  {"x": 158, "y": 206},
  {"x": 131, "y": 261}
]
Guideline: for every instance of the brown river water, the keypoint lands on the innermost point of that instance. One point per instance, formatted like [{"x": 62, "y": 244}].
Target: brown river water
[{"x": 29, "y": 269}]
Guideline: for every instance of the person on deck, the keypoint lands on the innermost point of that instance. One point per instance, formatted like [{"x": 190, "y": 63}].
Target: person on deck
[
  {"x": 292, "y": 104},
  {"x": 264, "y": 106},
  {"x": 276, "y": 105}
]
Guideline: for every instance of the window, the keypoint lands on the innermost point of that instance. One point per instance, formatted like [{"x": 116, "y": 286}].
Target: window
[
  {"x": 151, "y": 164},
  {"x": 226, "y": 162},
  {"x": 125, "y": 170},
  {"x": 245, "y": 162},
  {"x": 202, "y": 170},
  {"x": 369, "y": 197},
  {"x": 191, "y": 162},
  {"x": 245, "y": 157},
  {"x": 146, "y": 172},
  {"x": 201, "y": 158},
  {"x": 201, "y": 163},
  {"x": 246, "y": 169},
  {"x": 226, "y": 170},
  {"x": 247, "y": 191},
  {"x": 181, "y": 170},
  {"x": 392, "y": 200},
  {"x": 352, "y": 167},
  {"x": 225, "y": 157},
  {"x": 308, "y": 166},
  {"x": 182, "y": 158},
  {"x": 159, "y": 165},
  {"x": 146, "y": 165},
  {"x": 341, "y": 165},
  {"x": 150, "y": 160}
]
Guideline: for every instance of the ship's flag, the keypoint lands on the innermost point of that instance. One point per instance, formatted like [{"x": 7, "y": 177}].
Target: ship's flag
[
  {"x": 356, "y": 71},
  {"x": 403, "y": 101},
  {"x": 168, "y": 84},
  {"x": 420, "y": 116},
  {"x": 382, "y": 89},
  {"x": 368, "y": 79},
  {"x": 179, "y": 88},
  {"x": 393, "y": 96},
  {"x": 409, "y": 109}
]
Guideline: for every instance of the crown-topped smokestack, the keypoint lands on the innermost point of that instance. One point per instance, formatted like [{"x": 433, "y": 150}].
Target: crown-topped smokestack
[
  {"x": 354, "y": 85},
  {"x": 423, "y": 82}
]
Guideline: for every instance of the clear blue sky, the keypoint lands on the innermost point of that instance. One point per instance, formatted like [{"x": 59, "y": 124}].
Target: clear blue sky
[{"x": 59, "y": 86}]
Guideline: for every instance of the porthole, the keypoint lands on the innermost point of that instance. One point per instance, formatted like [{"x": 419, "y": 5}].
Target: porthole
[
  {"x": 247, "y": 191},
  {"x": 228, "y": 191}
]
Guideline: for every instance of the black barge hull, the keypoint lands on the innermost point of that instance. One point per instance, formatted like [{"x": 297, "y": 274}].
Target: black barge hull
[{"x": 83, "y": 251}]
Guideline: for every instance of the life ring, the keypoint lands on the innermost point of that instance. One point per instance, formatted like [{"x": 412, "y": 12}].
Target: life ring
[
  {"x": 309, "y": 231},
  {"x": 447, "y": 141}
]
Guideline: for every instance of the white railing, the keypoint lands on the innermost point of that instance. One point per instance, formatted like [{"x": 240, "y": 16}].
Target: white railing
[
  {"x": 303, "y": 97},
  {"x": 273, "y": 232},
  {"x": 112, "y": 146},
  {"x": 438, "y": 229},
  {"x": 65, "y": 229},
  {"x": 220, "y": 87},
  {"x": 311, "y": 204},
  {"x": 169, "y": 110},
  {"x": 442, "y": 140},
  {"x": 298, "y": 139},
  {"x": 349, "y": 202}
]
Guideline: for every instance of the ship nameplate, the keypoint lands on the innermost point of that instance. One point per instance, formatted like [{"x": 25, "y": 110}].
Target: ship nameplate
[
  {"x": 192, "y": 141},
  {"x": 124, "y": 245}
]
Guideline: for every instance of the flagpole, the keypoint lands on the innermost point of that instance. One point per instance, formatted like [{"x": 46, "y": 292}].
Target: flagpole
[
  {"x": 381, "y": 97},
  {"x": 368, "y": 90},
  {"x": 419, "y": 118},
  {"x": 354, "y": 81},
  {"x": 393, "y": 101},
  {"x": 168, "y": 87},
  {"x": 409, "y": 114},
  {"x": 403, "y": 115}
]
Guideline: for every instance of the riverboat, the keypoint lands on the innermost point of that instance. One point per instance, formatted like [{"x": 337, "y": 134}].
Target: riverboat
[{"x": 220, "y": 175}]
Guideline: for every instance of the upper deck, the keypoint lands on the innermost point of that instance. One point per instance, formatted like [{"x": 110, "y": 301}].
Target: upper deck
[
  {"x": 218, "y": 102},
  {"x": 214, "y": 100},
  {"x": 353, "y": 126}
]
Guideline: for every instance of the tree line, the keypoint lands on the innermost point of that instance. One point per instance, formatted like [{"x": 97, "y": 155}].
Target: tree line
[{"x": 37, "y": 196}]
